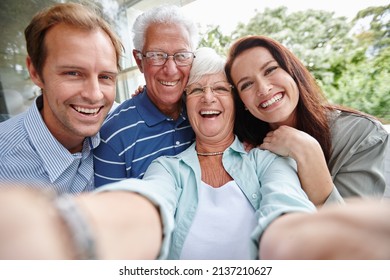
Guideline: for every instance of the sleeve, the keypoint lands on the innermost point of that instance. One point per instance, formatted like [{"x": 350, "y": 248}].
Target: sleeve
[
  {"x": 281, "y": 192},
  {"x": 108, "y": 165},
  {"x": 334, "y": 197},
  {"x": 360, "y": 165}
]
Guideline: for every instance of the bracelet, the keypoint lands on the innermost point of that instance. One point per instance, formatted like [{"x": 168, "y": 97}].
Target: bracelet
[{"x": 78, "y": 227}]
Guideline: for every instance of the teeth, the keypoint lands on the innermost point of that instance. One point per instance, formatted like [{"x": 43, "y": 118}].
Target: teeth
[
  {"x": 271, "y": 101},
  {"x": 86, "y": 110},
  {"x": 209, "y": 112},
  {"x": 169, "y": 83}
]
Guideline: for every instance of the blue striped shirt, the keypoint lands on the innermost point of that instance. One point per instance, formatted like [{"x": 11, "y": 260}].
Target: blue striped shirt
[
  {"x": 133, "y": 135},
  {"x": 30, "y": 154}
]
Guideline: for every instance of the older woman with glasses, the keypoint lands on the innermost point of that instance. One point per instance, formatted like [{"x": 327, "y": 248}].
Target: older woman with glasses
[{"x": 217, "y": 196}]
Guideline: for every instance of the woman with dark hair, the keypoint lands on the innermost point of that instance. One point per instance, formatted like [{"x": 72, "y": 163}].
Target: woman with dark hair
[{"x": 339, "y": 151}]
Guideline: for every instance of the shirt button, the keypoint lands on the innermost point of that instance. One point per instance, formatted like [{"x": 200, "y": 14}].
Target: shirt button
[
  {"x": 254, "y": 196},
  {"x": 177, "y": 143}
]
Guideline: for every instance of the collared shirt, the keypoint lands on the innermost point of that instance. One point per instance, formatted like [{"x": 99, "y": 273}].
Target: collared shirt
[
  {"x": 133, "y": 135},
  {"x": 357, "y": 162},
  {"x": 269, "y": 182},
  {"x": 30, "y": 154}
]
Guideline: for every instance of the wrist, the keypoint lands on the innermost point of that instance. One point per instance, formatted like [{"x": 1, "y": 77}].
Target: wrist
[{"x": 77, "y": 227}]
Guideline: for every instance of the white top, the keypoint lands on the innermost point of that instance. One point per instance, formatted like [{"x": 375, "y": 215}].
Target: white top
[{"x": 224, "y": 218}]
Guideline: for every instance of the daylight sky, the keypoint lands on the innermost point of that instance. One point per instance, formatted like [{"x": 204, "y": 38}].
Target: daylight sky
[{"x": 227, "y": 13}]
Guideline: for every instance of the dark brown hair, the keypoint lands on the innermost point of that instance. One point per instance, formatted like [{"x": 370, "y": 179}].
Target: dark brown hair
[
  {"x": 312, "y": 108},
  {"x": 74, "y": 14}
]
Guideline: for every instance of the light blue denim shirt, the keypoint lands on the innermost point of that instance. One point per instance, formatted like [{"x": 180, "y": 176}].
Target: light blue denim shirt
[{"x": 269, "y": 182}]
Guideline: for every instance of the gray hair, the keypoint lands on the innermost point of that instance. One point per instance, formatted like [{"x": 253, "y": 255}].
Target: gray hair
[
  {"x": 163, "y": 14},
  {"x": 207, "y": 62}
]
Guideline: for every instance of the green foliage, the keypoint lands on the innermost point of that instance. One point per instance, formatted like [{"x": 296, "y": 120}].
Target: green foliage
[
  {"x": 214, "y": 38},
  {"x": 350, "y": 60}
]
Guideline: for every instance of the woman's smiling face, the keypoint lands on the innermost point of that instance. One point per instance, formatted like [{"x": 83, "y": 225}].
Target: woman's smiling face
[{"x": 267, "y": 91}]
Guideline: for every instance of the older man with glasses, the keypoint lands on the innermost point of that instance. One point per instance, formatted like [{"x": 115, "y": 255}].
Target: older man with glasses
[{"x": 154, "y": 122}]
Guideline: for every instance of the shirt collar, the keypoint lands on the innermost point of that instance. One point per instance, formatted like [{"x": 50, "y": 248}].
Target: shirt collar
[
  {"x": 150, "y": 113},
  {"x": 55, "y": 157}
]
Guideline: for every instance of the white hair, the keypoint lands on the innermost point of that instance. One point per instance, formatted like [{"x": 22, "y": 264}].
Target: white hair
[
  {"x": 207, "y": 62},
  {"x": 170, "y": 14}
]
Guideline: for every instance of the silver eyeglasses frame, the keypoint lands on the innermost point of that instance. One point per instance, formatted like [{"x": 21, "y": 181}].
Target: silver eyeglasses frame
[
  {"x": 158, "y": 58},
  {"x": 220, "y": 88}
]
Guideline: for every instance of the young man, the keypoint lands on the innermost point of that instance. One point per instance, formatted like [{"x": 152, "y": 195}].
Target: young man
[{"x": 73, "y": 56}]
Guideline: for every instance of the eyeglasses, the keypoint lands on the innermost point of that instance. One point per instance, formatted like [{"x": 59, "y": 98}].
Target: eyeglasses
[
  {"x": 218, "y": 88},
  {"x": 159, "y": 58}
]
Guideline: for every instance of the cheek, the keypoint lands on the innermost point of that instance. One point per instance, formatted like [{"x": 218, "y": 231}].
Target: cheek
[
  {"x": 186, "y": 73},
  {"x": 109, "y": 91},
  {"x": 246, "y": 99},
  {"x": 190, "y": 106},
  {"x": 294, "y": 92}
]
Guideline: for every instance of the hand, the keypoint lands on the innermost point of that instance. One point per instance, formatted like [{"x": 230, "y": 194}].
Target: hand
[
  {"x": 138, "y": 90},
  {"x": 30, "y": 226},
  {"x": 313, "y": 171},
  {"x": 288, "y": 141}
]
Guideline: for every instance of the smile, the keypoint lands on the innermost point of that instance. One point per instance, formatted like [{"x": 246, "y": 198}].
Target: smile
[
  {"x": 87, "y": 111},
  {"x": 272, "y": 101},
  {"x": 166, "y": 83},
  {"x": 210, "y": 113}
]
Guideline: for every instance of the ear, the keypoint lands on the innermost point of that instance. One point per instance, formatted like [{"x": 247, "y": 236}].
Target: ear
[
  {"x": 138, "y": 58},
  {"x": 33, "y": 73}
]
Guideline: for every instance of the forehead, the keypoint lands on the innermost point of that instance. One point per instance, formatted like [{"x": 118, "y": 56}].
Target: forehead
[
  {"x": 250, "y": 60},
  {"x": 255, "y": 54},
  {"x": 212, "y": 78},
  {"x": 65, "y": 43},
  {"x": 167, "y": 37}
]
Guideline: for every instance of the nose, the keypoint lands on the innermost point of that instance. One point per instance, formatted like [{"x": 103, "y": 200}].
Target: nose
[
  {"x": 263, "y": 86},
  {"x": 170, "y": 65},
  {"x": 92, "y": 90},
  {"x": 208, "y": 95}
]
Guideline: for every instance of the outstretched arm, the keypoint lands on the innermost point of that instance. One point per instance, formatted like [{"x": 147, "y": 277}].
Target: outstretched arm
[
  {"x": 358, "y": 230},
  {"x": 123, "y": 225}
]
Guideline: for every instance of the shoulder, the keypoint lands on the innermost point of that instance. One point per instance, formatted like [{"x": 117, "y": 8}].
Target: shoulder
[
  {"x": 347, "y": 123},
  {"x": 12, "y": 133},
  {"x": 355, "y": 130},
  {"x": 123, "y": 115},
  {"x": 124, "y": 108}
]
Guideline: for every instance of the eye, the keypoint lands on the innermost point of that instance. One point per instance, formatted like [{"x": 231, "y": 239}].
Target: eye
[
  {"x": 155, "y": 55},
  {"x": 105, "y": 77},
  {"x": 271, "y": 69},
  {"x": 222, "y": 89},
  {"x": 159, "y": 55},
  {"x": 246, "y": 85},
  {"x": 182, "y": 56},
  {"x": 195, "y": 91},
  {"x": 72, "y": 73}
]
